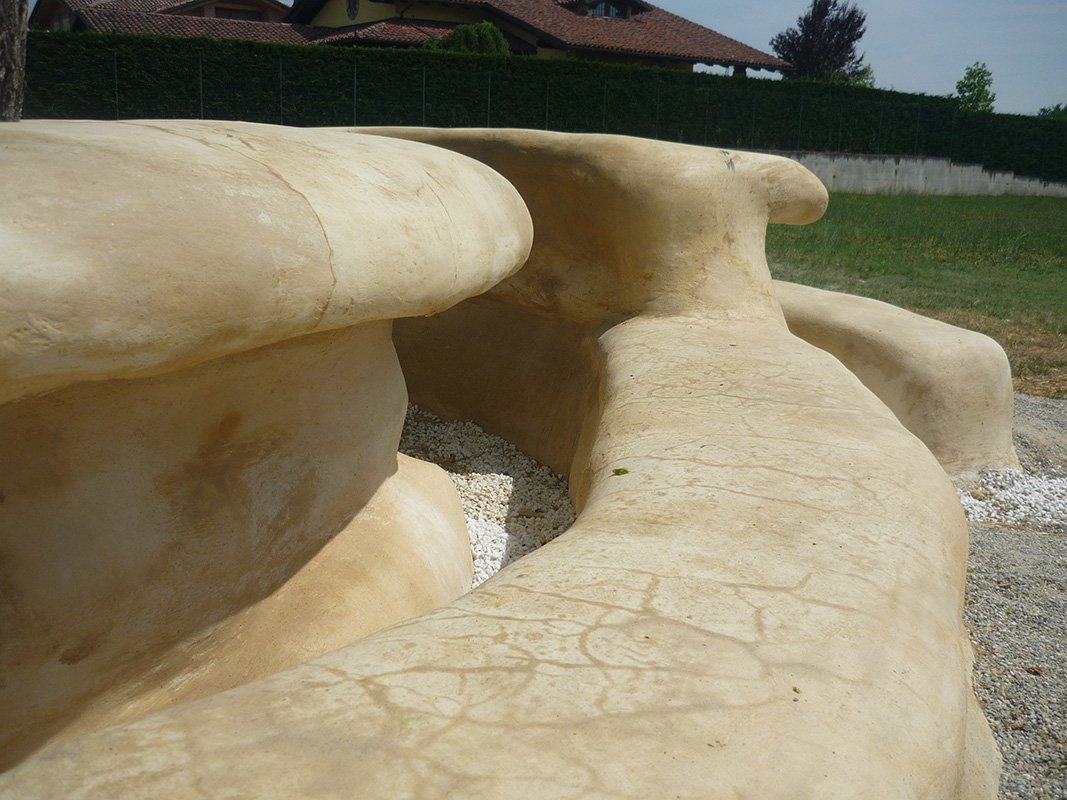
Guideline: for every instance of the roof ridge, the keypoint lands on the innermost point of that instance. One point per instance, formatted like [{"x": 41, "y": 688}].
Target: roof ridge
[
  {"x": 112, "y": 20},
  {"x": 654, "y": 33}
]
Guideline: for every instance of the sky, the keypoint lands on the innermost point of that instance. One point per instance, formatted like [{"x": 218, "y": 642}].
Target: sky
[{"x": 925, "y": 45}]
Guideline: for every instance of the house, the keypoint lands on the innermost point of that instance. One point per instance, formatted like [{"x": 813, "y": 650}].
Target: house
[
  {"x": 68, "y": 14},
  {"x": 629, "y": 31},
  {"x": 252, "y": 20},
  {"x": 613, "y": 30}
]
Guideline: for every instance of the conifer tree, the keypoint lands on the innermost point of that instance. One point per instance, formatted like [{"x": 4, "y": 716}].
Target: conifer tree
[{"x": 822, "y": 46}]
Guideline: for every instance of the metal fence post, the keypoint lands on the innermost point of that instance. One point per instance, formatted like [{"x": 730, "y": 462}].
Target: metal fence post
[
  {"x": 604, "y": 120},
  {"x": 115, "y": 66},
  {"x": 658, "y": 89},
  {"x": 707, "y": 108},
  {"x": 424, "y": 97},
  {"x": 281, "y": 114},
  {"x": 752, "y": 131},
  {"x": 489, "y": 100},
  {"x": 548, "y": 86},
  {"x": 200, "y": 68},
  {"x": 355, "y": 92}
]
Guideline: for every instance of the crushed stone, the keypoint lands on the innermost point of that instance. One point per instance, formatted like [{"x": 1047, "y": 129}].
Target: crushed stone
[
  {"x": 512, "y": 503},
  {"x": 1016, "y": 607},
  {"x": 1017, "y": 497}
]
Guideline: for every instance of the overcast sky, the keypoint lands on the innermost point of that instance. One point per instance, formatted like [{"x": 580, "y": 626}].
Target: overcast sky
[{"x": 925, "y": 45}]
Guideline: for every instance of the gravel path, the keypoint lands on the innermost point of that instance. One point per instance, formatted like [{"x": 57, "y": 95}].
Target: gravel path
[
  {"x": 1017, "y": 574},
  {"x": 1017, "y": 603}
]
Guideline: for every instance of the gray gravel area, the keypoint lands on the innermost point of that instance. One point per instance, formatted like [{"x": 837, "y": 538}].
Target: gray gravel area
[
  {"x": 1017, "y": 573},
  {"x": 1017, "y": 604}
]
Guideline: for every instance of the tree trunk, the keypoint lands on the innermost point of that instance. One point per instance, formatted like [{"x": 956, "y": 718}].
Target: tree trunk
[{"x": 13, "y": 16}]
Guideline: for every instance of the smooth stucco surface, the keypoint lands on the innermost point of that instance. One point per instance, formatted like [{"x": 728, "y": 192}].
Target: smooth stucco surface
[
  {"x": 199, "y": 480},
  {"x": 949, "y": 386},
  {"x": 134, "y": 248},
  {"x": 761, "y": 596}
]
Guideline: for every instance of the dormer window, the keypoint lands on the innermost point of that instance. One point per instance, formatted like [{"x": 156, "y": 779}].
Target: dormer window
[{"x": 608, "y": 8}]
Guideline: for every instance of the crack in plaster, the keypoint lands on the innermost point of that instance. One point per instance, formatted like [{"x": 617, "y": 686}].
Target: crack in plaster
[{"x": 325, "y": 236}]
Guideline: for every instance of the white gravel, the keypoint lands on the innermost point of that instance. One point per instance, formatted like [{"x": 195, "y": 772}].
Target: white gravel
[
  {"x": 1017, "y": 497},
  {"x": 513, "y": 504}
]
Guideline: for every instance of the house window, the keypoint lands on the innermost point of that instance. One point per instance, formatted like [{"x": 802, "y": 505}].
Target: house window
[{"x": 608, "y": 8}]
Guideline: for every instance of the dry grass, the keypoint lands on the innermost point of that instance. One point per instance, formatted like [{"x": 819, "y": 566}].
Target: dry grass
[{"x": 1038, "y": 356}]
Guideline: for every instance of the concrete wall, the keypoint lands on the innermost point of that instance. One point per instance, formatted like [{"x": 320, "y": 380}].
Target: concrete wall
[{"x": 869, "y": 174}]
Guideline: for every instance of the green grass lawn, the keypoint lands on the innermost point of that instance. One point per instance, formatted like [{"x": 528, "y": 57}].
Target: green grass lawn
[{"x": 992, "y": 264}]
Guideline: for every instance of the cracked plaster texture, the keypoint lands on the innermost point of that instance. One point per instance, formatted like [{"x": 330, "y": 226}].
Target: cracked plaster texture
[
  {"x": 199, "y": 483},
  {"x": 766, "y": 603}
]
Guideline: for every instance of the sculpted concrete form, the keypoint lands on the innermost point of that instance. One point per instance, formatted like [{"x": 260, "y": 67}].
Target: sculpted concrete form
[
  {"x": 198, "y": 466},
  {"x": 761, "y": 595},
  {"x": 949, "y": 386}
]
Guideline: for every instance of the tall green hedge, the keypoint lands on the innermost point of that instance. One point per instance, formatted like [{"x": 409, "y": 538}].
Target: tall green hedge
[{"x": 97, "y": 76}]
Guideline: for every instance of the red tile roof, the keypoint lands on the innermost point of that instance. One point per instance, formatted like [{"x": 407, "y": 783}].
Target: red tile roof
[
  {"x": 184, "y": 6},
  {"x": 148, "y": 6},
  {"x": 395, "y": 31},
  {"x": 103, "y": 17},
  {"x": 653, "y": 32},
  {"x": 106, "y": 20},
  {"x": 142, "y": 6}
]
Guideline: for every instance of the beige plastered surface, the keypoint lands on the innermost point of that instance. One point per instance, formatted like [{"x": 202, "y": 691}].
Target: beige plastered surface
[
  {"x": 762, "y": 593},
  {"x": 136, "y": 248},
  {"x": 199, "y": 479},
  {"x": 949, "y": 386}
]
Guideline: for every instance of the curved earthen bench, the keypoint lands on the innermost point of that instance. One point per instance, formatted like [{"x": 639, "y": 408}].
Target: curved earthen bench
[
  {"x": 949, "y": 386},
  {"x": 761, "y": 596},
  {"x": 199, "y": 483}
]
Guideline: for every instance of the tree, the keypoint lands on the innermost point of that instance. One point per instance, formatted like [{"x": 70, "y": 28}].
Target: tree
[
  {"x": 13, "y": 16},
  {"x": 1058, "y": 111},
  {"x": 865, "y": 77},
  {"x": 974, "y": 90},
  {"x": 483, "y": 37},
  {"x": 822, "y": 46}
]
